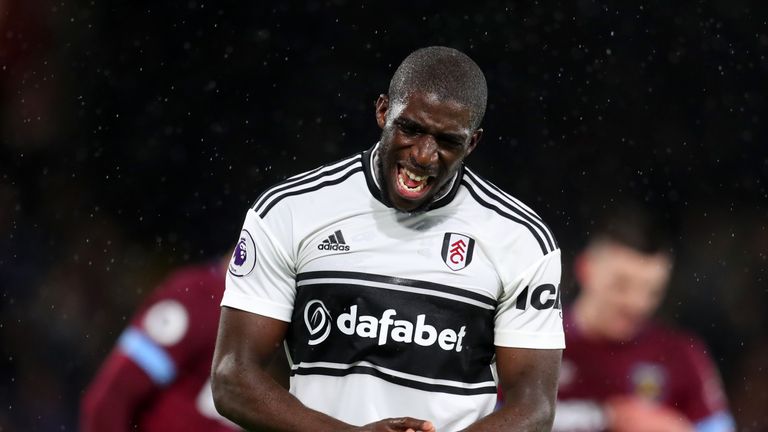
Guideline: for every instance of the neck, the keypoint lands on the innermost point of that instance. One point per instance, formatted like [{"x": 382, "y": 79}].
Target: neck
[{"x": 224, "y": 262}]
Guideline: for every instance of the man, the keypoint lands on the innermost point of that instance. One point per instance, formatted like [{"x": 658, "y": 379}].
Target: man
[
  {"x": 403, "y": 284},
  {"x": 622, "y": 371},
  {"x": 157, "y": 378}
]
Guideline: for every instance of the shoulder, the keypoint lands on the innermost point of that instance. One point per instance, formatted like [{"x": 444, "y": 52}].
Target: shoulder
[
  {"x": 305, "y": 184},
  {"x": 509, "y": 215},
  {"x": 190, "y": 290},
  {"x": 186, "y": 298},
  {"x": 193, "y": 279}
]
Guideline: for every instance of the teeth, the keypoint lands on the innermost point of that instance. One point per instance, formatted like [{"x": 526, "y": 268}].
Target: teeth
[
  {"x": 413, "y": 176},
  {"x": 416, "y": 189}
]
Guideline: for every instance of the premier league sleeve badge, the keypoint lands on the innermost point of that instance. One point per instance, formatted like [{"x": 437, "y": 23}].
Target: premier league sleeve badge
[{"x": 244, "y": 257}]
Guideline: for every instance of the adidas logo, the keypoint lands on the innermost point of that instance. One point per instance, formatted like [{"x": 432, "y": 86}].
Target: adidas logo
[{"x": 334, "y": 242}]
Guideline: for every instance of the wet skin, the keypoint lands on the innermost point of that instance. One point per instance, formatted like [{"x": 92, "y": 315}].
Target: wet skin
[{"x": 423, "y": 143}]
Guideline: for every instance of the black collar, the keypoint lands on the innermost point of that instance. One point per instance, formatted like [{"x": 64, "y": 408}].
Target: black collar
[{"x": 377, "y": 193}]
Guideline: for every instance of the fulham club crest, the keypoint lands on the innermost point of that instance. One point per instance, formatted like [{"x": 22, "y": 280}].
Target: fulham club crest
[{"x": 457, "y": 250}]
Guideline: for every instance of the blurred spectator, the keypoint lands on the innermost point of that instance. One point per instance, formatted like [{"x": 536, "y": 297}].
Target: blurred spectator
[
  {"x": 622, "y": 370},
  {"x": 157, "y": 377}
]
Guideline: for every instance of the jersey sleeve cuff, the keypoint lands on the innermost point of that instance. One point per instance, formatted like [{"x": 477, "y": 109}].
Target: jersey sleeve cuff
[
  {"x": 256, "y": 305},
  {"x": 516, "y": 339}
]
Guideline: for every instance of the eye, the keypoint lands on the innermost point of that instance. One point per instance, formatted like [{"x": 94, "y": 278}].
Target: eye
[
  {"x": 451, "y": 143},
  {"x": 407, "y": 129}
]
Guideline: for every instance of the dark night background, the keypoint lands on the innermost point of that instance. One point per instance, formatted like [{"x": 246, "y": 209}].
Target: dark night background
[{"x": 135, "y": 135}]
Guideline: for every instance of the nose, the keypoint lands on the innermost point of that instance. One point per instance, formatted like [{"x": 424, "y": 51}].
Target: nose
[
  {"x": 639, "y": 303},
  {"x": 424, "y": 152}
]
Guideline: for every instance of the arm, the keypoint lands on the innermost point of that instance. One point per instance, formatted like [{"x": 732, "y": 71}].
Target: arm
[
  {"x": 105, "y": 408},
  {"x": 702, "y": 405},
  {"x": 619, "y": 414},
  {"x": 635, "y": 414},
  {"x": 150, "y": 354},
  {"x": 137, "y": 369},
  {"x": 528, "y": 378},
  {"x": 706, "y": 403},
  {"x": 579, "y": 415},
  {"x": 244, "y": 392}
]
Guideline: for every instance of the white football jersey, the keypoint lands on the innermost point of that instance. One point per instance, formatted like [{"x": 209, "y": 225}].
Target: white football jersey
[{"x": 391, "y": 313}]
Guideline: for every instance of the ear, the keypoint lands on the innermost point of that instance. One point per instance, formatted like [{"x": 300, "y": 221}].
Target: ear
[
  {"x": 581, "y": 269},
  {"x": 474, "y": 140},
  {"x": 382, "y": 105}
]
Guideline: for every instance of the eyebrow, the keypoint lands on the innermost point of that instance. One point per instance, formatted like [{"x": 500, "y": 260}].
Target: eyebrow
[{"x": 411, "y": 124}]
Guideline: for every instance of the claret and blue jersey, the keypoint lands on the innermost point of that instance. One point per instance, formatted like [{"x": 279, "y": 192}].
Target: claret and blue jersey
[{"x": 660, "y": 364}]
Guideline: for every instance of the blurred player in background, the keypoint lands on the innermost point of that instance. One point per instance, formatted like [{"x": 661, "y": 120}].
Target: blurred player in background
[
  {"x": 621, "y": 370},
  {"x": 158, "y": 376}
]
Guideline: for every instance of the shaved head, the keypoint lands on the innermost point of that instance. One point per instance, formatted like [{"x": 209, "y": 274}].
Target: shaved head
[{"x": 446, "y": 73}]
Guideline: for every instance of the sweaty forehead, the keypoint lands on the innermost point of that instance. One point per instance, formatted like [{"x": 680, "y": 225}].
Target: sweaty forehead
[{"x": 431, "y": 110}]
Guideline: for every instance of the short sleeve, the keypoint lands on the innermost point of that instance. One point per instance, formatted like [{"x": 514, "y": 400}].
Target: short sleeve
[
  {"x": 169, "y": 330},
  {"x": 529, "y": 313},
  {"x": 261, "y": 273}
]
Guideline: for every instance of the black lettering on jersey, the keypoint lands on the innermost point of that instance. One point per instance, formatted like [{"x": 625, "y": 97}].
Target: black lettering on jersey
[{"x": 543, "y": 297}]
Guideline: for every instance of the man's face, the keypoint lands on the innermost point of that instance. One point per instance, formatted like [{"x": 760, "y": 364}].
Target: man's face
[
  {"x": 624, "y": 287},
  {"x": 423, "y": 142}
]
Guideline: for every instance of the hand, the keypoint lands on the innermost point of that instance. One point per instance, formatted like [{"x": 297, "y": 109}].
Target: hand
[
  {"x": 399, "y": 424},
  {"x": 633, "y": 414}
]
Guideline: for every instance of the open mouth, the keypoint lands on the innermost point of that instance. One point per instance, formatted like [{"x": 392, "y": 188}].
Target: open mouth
[{"x": 411, "y": 185}]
